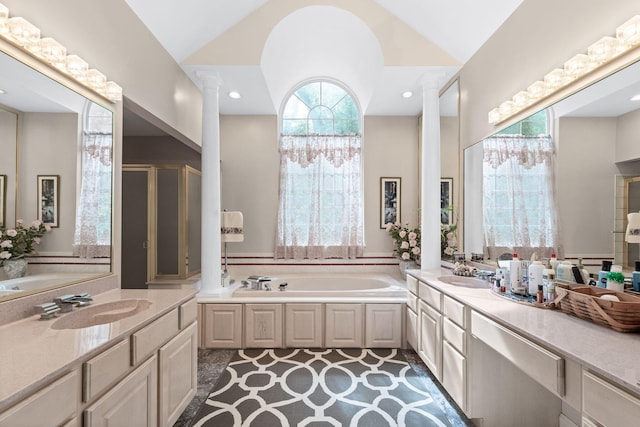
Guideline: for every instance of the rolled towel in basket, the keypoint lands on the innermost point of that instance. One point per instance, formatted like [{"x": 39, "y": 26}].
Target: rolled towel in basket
[{"x": 231, "y": 226}]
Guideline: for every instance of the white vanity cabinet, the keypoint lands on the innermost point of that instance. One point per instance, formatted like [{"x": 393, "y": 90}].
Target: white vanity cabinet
[
  {"x": 411, "y": 321},
  {"x": 454, "y": 350},
  {"x": 144, "y": 378},
  {"x": 607, "y": 405},
  {"x": 430, "y": 328},
  {"x": 54, "y": 405},
  {"x": 221, "y": 325}
]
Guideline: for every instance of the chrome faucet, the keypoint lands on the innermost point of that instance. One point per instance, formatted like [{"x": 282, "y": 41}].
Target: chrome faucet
[
  {"x": 257, "y": 282},
  {"x": 67, "y": 302}
]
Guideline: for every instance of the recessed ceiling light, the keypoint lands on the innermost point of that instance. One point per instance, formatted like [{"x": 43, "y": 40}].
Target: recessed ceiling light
[
  {"x": 407, "y": 94},
  {"x": 2, "y": 92},
  {"x": 635, "y": 97},
  {"x": 234, "y": 95}
]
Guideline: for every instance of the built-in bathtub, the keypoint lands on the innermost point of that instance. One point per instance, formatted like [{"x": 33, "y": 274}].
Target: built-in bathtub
[
  {"x": 35, "y": 282},
  {"x": 332, "y": 286}
]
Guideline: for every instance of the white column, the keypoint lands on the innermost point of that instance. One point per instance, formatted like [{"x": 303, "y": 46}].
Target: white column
[
  {"x": 211, "y": 270},
  {"x": 430, "y": 197}
]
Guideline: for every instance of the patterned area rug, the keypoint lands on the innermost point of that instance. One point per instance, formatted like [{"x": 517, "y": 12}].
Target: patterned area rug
[{"x": 302, "y": 387}]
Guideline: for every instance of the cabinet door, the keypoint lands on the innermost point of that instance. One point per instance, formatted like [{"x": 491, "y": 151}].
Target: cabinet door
[
  {"x": 263, "y": 325},
  {"x": 343, "y": 325},
  {"x": 178, "y": 377},
  {"x": 303, "y": 325},
  {"x": 383, "y": 325},
  {"x": 222, "y": 324},
  {"x": 607, "y": 404},
  {"x": 412, "y": 329},
  {"x": 454, "y": 376},
  {"x": 135, "y": 228},
  {"x": 430, "y": 343},
  {"x": 133, "y": 402}
]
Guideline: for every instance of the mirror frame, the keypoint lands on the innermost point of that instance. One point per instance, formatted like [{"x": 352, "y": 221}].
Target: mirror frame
[{"x": 30, "y": 60}]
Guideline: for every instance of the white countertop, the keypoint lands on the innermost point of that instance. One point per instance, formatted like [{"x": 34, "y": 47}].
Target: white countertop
[
  {"x": 613, "y": 355},
  {"x": 32, "y": 353}
]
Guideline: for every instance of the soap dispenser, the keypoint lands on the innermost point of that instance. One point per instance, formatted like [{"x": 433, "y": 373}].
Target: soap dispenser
[
  {"x": 604, "y": 271},
  {"x": 636, "y": 277}
]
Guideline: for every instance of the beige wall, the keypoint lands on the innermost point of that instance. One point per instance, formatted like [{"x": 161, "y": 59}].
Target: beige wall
[
  {"x": 250, "y": 173},
  {"x": 538, "y": 37},
  {"x": 628, "y": 137},
  {"x": 586, "y": 185},
  {"x": 49, "y": 146},
  {"x": 110, "y": 37}
]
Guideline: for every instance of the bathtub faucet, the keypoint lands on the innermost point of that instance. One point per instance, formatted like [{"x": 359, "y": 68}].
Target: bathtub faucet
[
  {"x": 257, "y": 282},
  {"x": 67, "y": 302}
]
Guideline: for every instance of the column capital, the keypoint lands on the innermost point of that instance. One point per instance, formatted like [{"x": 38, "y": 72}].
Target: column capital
[
  {"x": 210, "y": 79},
  {"x": 432, "y": 79}
]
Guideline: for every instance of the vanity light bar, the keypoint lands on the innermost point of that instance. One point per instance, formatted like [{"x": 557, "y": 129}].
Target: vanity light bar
[
  {"x": 599, "y": 53},
  {"x": 26, "y": 36}
]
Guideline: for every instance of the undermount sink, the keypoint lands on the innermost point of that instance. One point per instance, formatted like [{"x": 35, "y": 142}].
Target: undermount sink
[
  {"x": 464, "y": 281},
  {"x": 99, "y": 314}
]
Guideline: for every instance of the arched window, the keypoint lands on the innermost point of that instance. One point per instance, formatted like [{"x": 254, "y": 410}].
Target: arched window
[{"x": 320, "y": 212}]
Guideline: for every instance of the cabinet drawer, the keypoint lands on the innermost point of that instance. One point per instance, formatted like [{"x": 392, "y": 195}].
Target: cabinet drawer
[
  {"x": 454, "y": 310},
  {"x": 431, "y": 296},
  {"x": 188, "y": 313},
  {"x": 105, "y": 369},
  {"x": 455, "y": 335},
  {"x": 412, "y": 284},
  {"x": 148, "y": 339},
  {"x": 607, "y": 404},
  {"x": 53, "y": 405},
  {"x": 543, "y": 366},
  {"x": 412, "y": 301}
]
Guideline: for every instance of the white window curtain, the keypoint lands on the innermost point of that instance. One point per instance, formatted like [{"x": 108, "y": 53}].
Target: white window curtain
[
  {"x": 93, "y": 214},
  {"x": 320, "y": 212},
  {"x": 519, "y": 197}
]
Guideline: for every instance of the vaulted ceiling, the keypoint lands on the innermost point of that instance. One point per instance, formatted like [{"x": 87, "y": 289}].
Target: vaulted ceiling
[{"x": 378, "y": 48}]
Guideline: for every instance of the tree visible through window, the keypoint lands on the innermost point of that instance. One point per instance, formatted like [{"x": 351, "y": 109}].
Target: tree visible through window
[{"x": 320, "y": 211}]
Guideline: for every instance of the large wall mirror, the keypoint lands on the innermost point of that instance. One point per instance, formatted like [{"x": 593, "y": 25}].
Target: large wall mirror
[
  {"x": 55, "y": 164},
  {"x": 449, "y": 155},
  {"x": 595, "y": 136}
]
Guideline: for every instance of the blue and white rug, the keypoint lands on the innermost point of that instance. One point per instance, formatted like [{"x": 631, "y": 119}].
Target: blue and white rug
[{"x": 322, "y": 387}]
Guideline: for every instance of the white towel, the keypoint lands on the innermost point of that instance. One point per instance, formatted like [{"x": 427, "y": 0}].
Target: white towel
[
  {"x": 633, "y": 228},
  {"x": 231, "y": 227}
]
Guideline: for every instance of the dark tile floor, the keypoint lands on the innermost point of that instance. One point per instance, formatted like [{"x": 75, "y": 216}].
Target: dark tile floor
[{"x": 211, "y": 364}]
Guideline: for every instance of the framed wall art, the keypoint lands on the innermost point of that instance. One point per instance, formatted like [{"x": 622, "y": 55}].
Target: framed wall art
[
  {"x": 390, "y": 197},
  {"x": 3, "y": 200},
  {"x": 446, "y": 201},
  {"x": 49, "y": 199}
]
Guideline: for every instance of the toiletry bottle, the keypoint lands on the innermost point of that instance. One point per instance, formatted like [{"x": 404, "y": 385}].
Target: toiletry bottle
[
  {"x": 636, "y": 277},
  {"x": 515, "y": 271},
  {"x": 535, "y": 276},
  {"x": 547, "y": 277},
  {"x": 602, "y": 276},
  {"x": 586, "y": 277},
  {"x": 564, "y": 271},
  {"x": 615, "y": 279},
  {"x": 554, "y": 262},
  {"x": 540, "y": 295},
  {"x": 500, "y": 281},
  {"x": 551, "y": 289}
]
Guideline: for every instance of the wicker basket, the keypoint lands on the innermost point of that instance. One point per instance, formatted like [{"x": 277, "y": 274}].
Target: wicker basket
[{"x": 585, "y": 302}]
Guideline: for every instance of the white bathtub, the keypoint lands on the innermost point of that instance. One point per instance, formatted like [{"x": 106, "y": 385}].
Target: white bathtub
[{"x": 330, "y": 286}]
